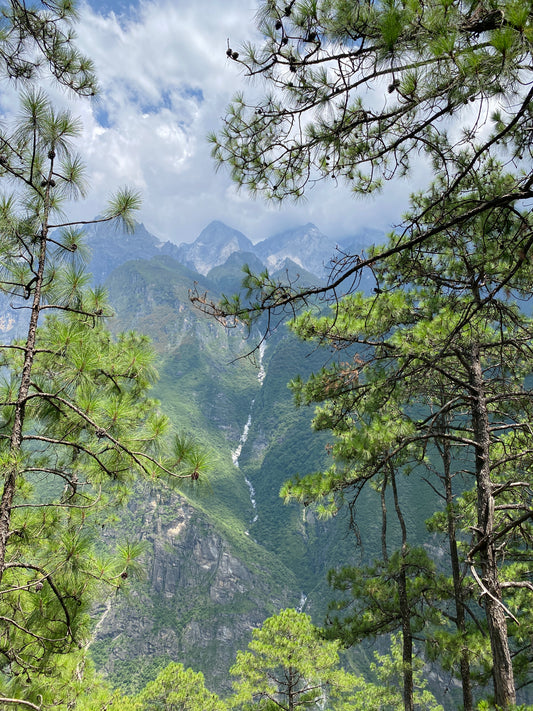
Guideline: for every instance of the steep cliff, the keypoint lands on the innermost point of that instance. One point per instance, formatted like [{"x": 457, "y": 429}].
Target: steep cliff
[
  {"x": 224, "y": 553},
  {"x": 202, "y": 595}
]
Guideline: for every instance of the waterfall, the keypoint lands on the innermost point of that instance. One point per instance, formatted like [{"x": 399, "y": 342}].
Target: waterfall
[
  {"x": 235, "y": 458},
  {"x": 303, "y": 600},
  {"x": 237, "y": 452},
  {"x": 244, "y": 436},
  {"x": 262, "y": 372}
]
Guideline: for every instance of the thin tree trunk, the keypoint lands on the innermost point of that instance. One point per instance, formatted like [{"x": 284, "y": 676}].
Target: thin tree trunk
[
  {"x": 502, "y": 672},
  {"x": 407, "y": 637},
  {"x": 8, "y": 493},
  {"x": 383, "y": 491},
  {"x": 468, "y": 702},
  {"x": 291, "y": 690}
]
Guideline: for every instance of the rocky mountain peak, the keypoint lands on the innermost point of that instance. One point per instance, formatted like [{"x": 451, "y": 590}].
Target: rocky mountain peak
[
  {"x": 304, "y": 245},
  {"x": 213, "y": 246}
]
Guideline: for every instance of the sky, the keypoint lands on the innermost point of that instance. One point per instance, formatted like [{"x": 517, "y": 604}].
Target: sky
[{"x": 165, "y": 82}]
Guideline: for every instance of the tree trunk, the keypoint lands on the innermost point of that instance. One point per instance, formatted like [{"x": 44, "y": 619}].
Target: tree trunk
[
  {"x": 468, "y": 702},
  {"x": 502, "y": 672},
  {"x": 405, "y": 612},
  {"x": 6, "y": 502},
  {"x": 291, "y": 690}
]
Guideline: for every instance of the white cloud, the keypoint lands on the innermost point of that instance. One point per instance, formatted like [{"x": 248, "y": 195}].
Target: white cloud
[{"x": 165, "y": 82}]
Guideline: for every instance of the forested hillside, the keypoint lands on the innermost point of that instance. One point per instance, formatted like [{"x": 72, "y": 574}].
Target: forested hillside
[
  {"x": 223, "y": 552},
  {"x": 202, "y": 440}
]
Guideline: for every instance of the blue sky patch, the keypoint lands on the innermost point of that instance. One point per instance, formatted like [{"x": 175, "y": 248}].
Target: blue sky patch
[
  {"x": 102, "y": 115},
  {"x": 193, "y": 93},
  {"x": 119, "y": 7}
]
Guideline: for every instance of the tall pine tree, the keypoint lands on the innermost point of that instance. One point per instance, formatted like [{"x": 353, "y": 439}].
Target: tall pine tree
[{"x": 442, "y": 341}]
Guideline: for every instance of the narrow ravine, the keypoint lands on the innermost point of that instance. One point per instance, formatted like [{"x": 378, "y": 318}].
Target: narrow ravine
[
  {"x": 235, "y": 458},
  {"x": 244, "y": 436}
]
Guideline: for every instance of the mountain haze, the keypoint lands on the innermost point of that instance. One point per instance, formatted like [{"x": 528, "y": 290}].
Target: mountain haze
[{"x": 223, "y": 553}]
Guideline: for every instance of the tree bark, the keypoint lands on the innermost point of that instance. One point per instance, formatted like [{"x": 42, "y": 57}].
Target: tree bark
[
  {"x": 468, "y": 701},
  {"x": 405, "y": 612},
  {"x": 502, "y": 672},
  {"x": 8, "y": 493}
]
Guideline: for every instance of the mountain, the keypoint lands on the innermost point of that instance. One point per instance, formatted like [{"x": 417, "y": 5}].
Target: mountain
[
  {"x": 223, "y": 553},
  {"x": 228, "y": 276},
  {"x": 213, "y": 247},
  {"x": 357, "y": 242},
  {"x": 220, "y": 557},
  {"x": 306, "y": 246},
  {"x": 110, "y": 247},
  {"x": 220, "y": 246},
  {"x": 313, "y": 251}
]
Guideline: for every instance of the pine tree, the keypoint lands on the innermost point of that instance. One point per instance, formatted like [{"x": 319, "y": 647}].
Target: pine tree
[
  {"x": 288, "y": 665},
  {"x": 178, "y": 689},
  {"x": 441, "y": 338},
  {"x": 359, "y": 93},
  {"x": 39, "y": 38},
  {"x": 77, "y": 421}
]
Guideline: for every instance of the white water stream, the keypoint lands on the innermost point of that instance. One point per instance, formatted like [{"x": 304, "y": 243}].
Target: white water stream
[
  {"x": 244, "y": 436},
  {"x": 235, "y": 457},
  {"x": 303, "y": 600},
  {"x": 237, "y": 453}
]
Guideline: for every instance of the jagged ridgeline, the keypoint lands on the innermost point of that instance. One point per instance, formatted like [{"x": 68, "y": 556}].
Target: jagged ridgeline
[{"x": 222, "y": 553}]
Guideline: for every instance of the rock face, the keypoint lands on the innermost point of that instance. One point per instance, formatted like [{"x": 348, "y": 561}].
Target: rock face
[
  {"x": 305, "y": 246},
  {"x": 197, "y": 605},
  {"x": 223, "y": 555},
  {"x": 215, "y": 244}
]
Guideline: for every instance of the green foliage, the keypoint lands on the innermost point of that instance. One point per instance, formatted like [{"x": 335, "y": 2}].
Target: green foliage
[
  {"x": 178, "y": 689},
  {"x": 376, "y": 50},
  {"x": 371, "y": 597},
  {"x": 37, "y": 36},
  {"x": 78, "y": 423},
  {"x": 385, "y": 692},
  {"x": 435, "y": 374},
  {"x": 289, "y": 665},
  {"x": 362, "y": 93},
  {"x": 174, "y": 689}
]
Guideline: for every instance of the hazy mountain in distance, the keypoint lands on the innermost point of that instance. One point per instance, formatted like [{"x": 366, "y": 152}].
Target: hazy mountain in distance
[
  {"x": 230, "y": 274},
  {"x": 306, "y": 246},
  {"x": 358, "y": 241},
  {"x": 110, "y": 247},
  {"x": 213, "y": 247},
  {"x": 219, "y": 245}
]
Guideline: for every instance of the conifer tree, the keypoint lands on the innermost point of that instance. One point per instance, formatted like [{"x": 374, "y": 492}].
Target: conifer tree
[
  {"x": 178, "y": 689},
  {"x": 38, "y": 38},
  {"x": 386, "y": 691},
  {"x": 288, "y": 665},
  {"x": 357, "y": 93},
  {"x": 77, "y": 421},
  {"x": 442, "y": 337}
]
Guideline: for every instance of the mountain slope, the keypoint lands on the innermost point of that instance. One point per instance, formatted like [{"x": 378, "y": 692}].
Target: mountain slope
[
  {"x": 213, "y": 247},
  {"x": 306, "y": 246},
  {"x": 223, "y": 553}
]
